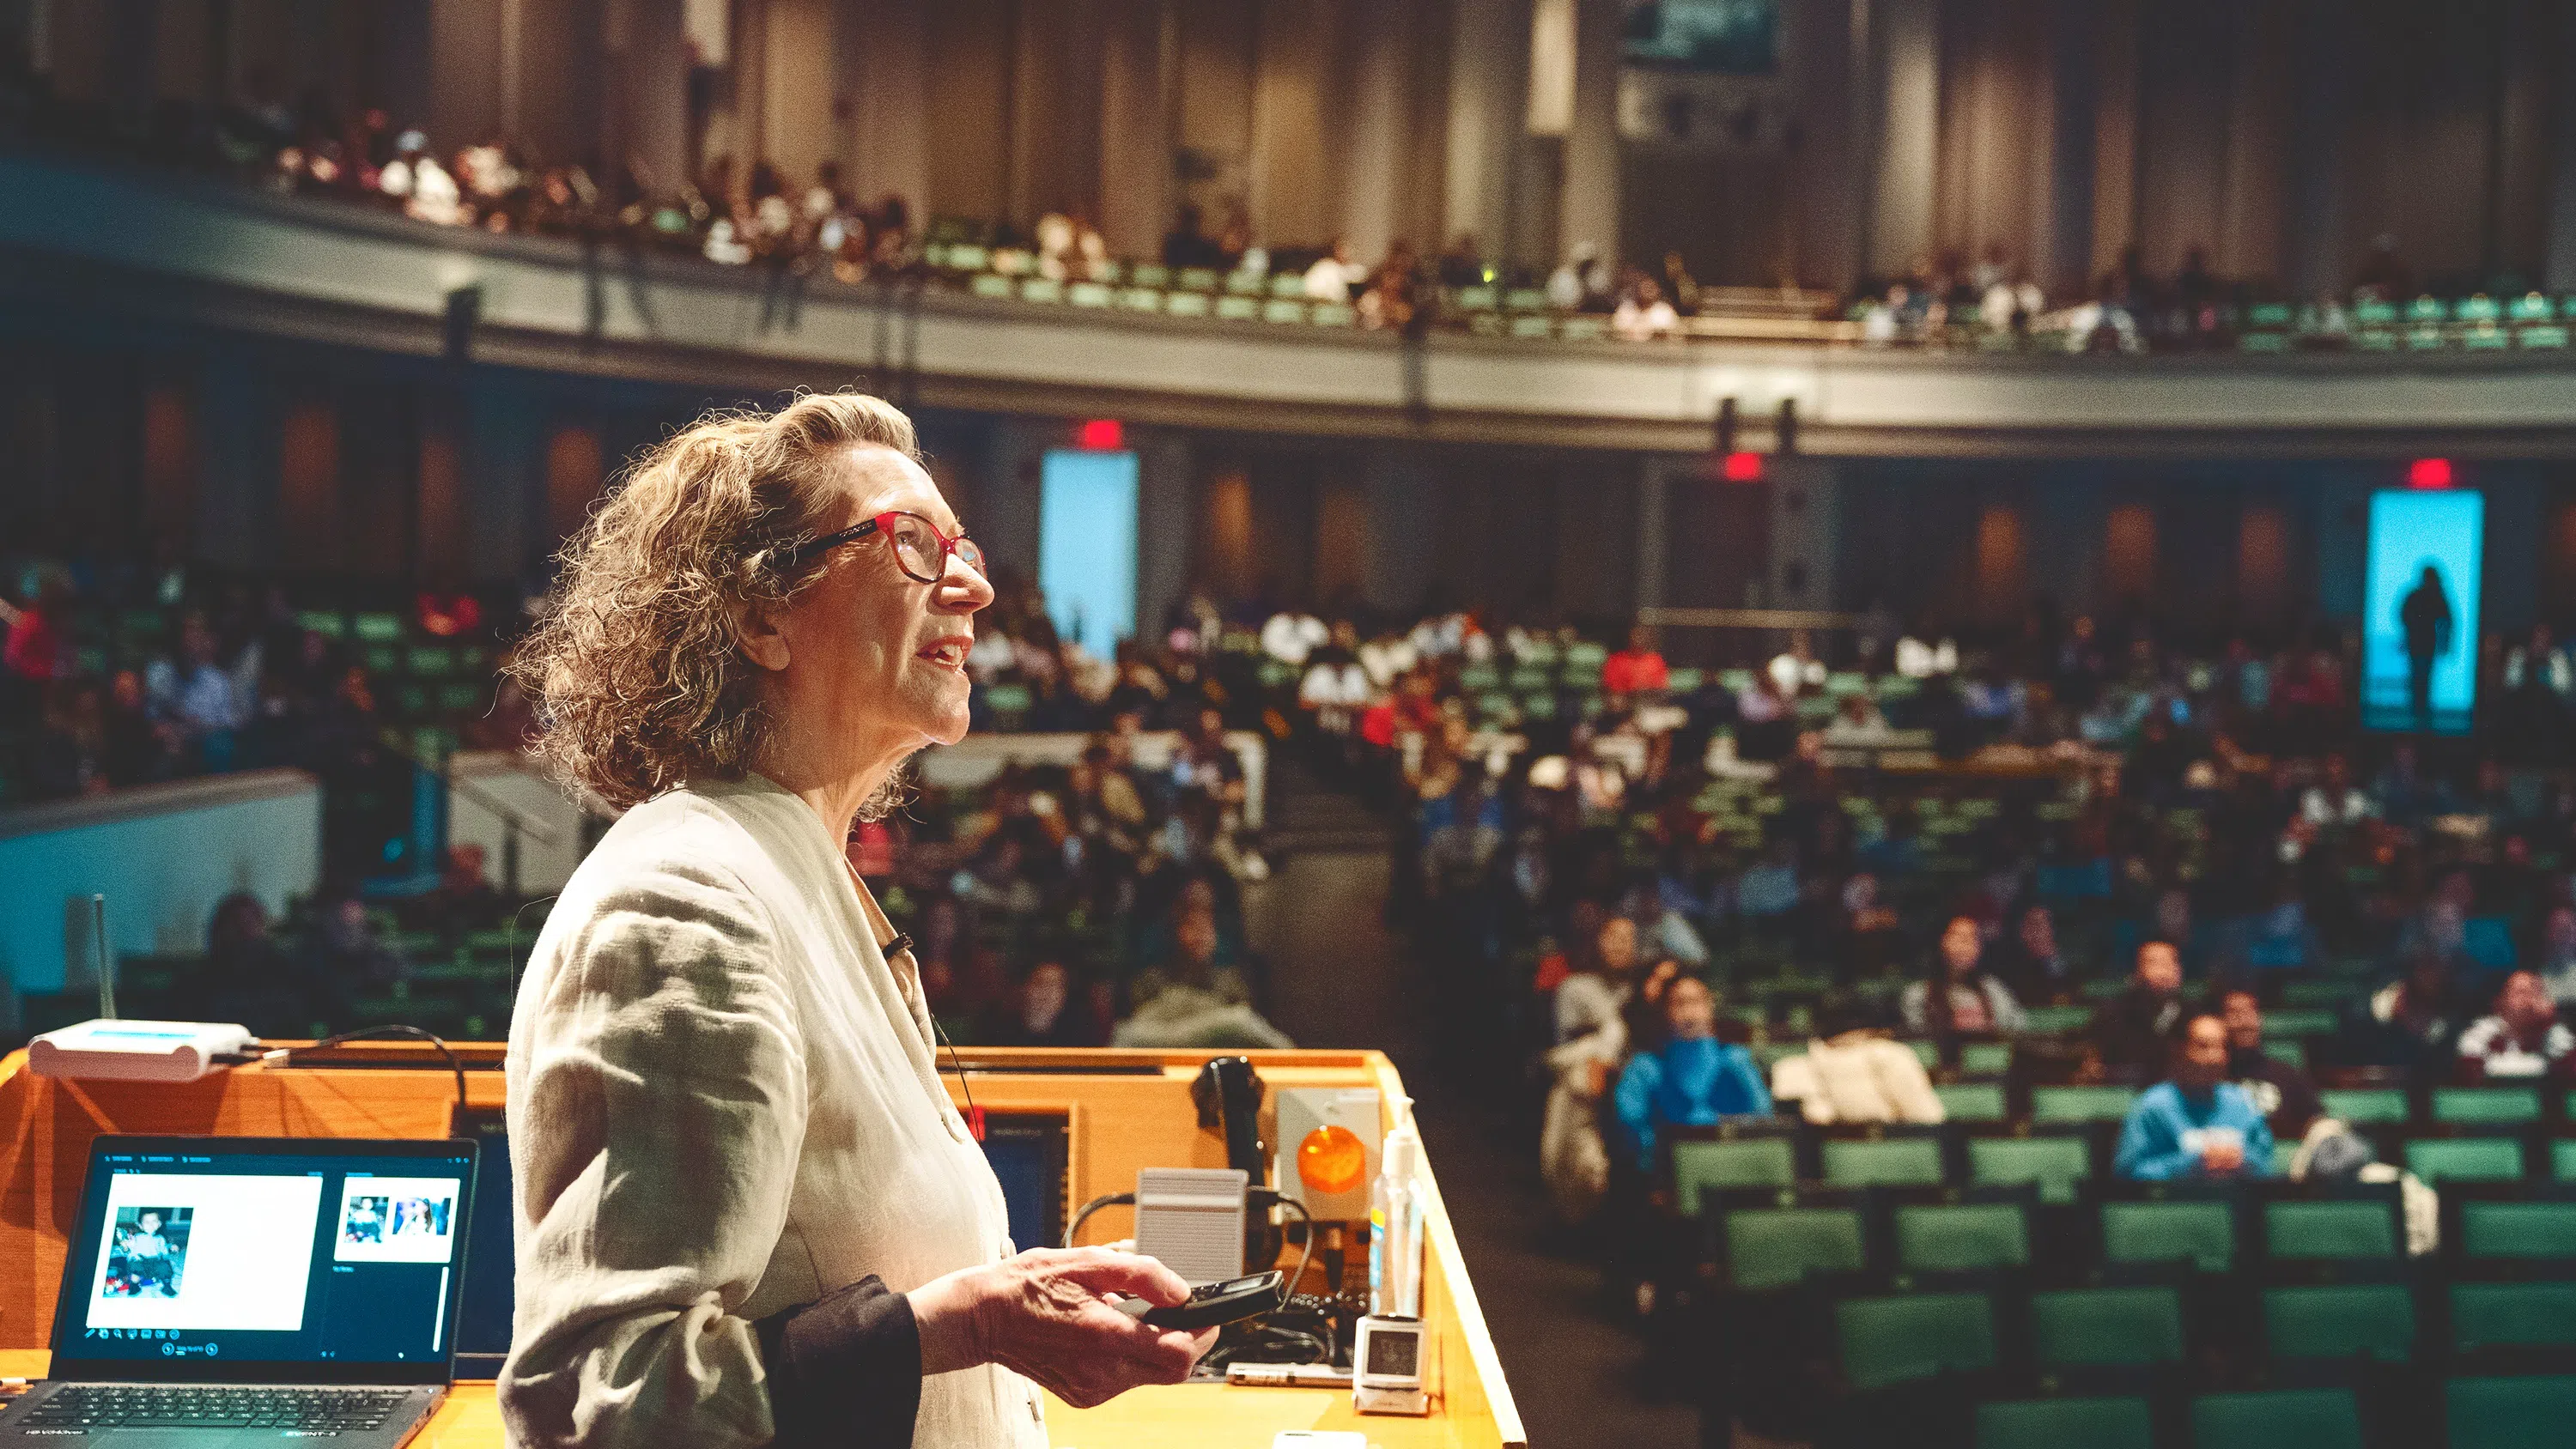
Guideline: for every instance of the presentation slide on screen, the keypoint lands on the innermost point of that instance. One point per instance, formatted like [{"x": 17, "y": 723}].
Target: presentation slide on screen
[
  {"x": 397, "y": 1220},
  {"x": 2420, "y": 610},
  {"x": 205, "y": 1252}
]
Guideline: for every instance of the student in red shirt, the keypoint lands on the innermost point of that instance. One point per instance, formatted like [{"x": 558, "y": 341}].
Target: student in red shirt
[{"x": 1637, "y": 667}]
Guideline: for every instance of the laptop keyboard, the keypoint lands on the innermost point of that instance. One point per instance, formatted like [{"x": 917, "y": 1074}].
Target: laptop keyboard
[{"x": 197, "y": 1406}]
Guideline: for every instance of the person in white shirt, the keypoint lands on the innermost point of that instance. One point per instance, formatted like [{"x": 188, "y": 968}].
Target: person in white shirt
[
  {"x": 2523, "y": 1037},
  {"x": 1567, "y": 285},
  {"x": 1644, "y": 314},
  {"x": 1333, "y": 275},
  {"x": 1853, "y": 1072},
  {"x": 1291, "y": 635},
  {"x": 748, "y": 1212}
]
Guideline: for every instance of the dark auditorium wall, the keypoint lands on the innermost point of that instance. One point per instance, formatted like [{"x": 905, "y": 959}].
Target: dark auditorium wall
[
  {"x": 2280, "y": 135},
  {"x": 2262, "y": 546}
]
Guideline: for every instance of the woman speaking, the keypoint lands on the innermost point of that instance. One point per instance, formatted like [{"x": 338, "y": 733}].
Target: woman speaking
[{"x": 747, "y": 1212}]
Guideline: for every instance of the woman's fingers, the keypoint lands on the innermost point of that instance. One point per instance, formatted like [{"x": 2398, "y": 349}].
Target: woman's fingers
[{"x": 1104, "y": 1271}]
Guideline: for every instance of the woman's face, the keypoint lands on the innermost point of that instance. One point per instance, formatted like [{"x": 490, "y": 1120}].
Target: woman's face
[
  {"x": 869, "y": 653},
  {"x": 1960, "y": 945}
]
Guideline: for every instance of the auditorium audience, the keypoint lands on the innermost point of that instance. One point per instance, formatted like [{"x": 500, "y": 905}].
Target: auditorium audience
[{"x": 2195, "y": 1124}]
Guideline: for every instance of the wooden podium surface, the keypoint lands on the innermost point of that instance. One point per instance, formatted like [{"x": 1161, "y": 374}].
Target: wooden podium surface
[{"x": 1115, "y": 1124}]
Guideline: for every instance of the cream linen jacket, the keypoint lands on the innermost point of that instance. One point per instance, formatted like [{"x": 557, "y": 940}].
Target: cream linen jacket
[{"x": 724, "y": 1103}]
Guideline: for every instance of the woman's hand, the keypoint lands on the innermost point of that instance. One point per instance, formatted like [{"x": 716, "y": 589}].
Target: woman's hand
[{"x": 1045, "y": 1315}]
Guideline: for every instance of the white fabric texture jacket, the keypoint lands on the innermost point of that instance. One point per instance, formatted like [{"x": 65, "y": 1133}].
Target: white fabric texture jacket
[{"x": 724, "y": 1103}]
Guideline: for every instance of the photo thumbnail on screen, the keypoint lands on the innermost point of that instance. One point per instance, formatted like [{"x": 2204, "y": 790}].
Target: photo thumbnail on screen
[
  {"x": 397, "y": 1220},
  {"x": 147, "y": 1253}
]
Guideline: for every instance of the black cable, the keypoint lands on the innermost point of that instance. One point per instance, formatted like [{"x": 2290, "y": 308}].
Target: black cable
[
  {"x": 1106, "y": 1199},
  {"x": 1307, "y": 1259},
  {"x": 455, "y": 1063},
  {"x": 956, "y": 1064}
]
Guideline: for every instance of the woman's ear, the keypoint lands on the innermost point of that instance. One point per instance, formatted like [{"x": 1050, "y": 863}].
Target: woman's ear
[{"x": 756, "y": 633}]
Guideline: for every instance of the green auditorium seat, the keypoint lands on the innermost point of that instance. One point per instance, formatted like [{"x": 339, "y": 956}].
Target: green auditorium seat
[
  {"x": 1776, "y": 1247},
  {"x": 2054, "y": 1163},
  {"x": 2281, "y": 1419},
  {"x": 2562, "y": 1160},
  {"x": 1701, "y": 1167},
  {"x": 377, "y": 628},
  {"x": 2544, "y": 1229},
  {"x": 2055, "y": 1423},
  {"x": 2340, "y": 1321},
  {"x": 2509, "y": 1413},
  {"x": 2367, "y": 1105},
  {"x": 2081, "y": 1104},
  {"x": 2465, "y": 1159},
  {"x": 1928, "y": 1053},
  {"x": 2301, "y": 1022},
  {"x": 2514, "y": 1315},
  {"x": 1886, "y": 1162},
  {"x": 2362, "y": 1227},
  {"x": 2200, "y": 1231},
  {"x": 2105, "y": 1327},
  {"x": 1985, "y": 1058},
  {"x": 2480, "y": 1105},
  {"x": 1973, "y": 1102},
  {"x": 1961, "y": 1237},
  {"x": 1888, "y": 1341}
]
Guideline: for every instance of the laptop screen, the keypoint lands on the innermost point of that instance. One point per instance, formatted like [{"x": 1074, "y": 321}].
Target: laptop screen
[{"x": 266, "y": 1260}]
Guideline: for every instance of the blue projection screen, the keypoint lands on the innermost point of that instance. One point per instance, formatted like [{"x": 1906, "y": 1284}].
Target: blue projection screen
[
  {"x": 2420, "y": 630},
  {"x": 1087, "y": 546}
]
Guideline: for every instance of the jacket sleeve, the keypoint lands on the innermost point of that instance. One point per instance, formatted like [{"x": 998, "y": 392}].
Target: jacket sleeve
[
  {"x": 1907, "y": 1087},
  {"x": 1634, "y": 1102},
  {"x": 2150, "y": 1149},
  {"x": 657, "y": 1110},
  {"x": 2258, "y": 1139},
  {"x": 1916, "y": 1005},
  {"x": 1748, "y": 1077}
]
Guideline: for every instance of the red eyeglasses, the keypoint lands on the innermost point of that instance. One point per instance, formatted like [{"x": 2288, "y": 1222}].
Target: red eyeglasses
[{"x": 920, "y": 549}]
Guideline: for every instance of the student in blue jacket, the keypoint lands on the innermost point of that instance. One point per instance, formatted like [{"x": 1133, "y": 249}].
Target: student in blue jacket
[
  {"x": 2196, "y": 1124},
  {"x": 1692, "y": 1079}
]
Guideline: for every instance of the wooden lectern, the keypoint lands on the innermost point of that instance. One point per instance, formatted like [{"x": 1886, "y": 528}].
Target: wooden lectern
[{"x": 1121, "y": 1110}]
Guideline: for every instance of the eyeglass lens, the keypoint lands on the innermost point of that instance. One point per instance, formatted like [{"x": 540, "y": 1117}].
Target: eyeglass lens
[{"x": 917, "y": 549}]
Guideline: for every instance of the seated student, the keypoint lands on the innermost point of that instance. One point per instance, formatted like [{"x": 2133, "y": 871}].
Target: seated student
[
  {"x": 2284, "y": 1094},
  {"x": 2523, "y": 1037},
  {"x": 2134, "y": 1028},
  {"x": 1969, "y": 1000},
  {"x": 2412, "y": 1022},
  {"x": 1692, "y": 1079},
  {"x": 2197, "y": 1124},
  {"x": 1852, "y": 1072},
  {"x": 2029, "y": 960}
]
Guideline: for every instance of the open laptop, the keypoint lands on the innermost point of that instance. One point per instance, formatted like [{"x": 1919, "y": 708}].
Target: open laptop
[{"x": 247, "y": 1290}]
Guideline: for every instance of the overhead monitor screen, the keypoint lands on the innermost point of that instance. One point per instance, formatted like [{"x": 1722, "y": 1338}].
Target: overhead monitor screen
[
  {"x": 2420, "y": 612},
  {"x": 1721, "y": 37}
]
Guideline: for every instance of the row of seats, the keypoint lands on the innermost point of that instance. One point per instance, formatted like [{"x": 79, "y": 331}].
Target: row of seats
[
  {"x": 2055, "y": 1159},
  {"x": 2143, "y": 1332},
  {"x": 1899, "y": 1312},
  {"x": 2473, "y": 1413},
  {"x": 1757, "y": 1241}
]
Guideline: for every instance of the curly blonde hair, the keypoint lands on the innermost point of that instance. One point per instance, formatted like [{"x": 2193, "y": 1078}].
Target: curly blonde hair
[{"x": 634, "y": 666}]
